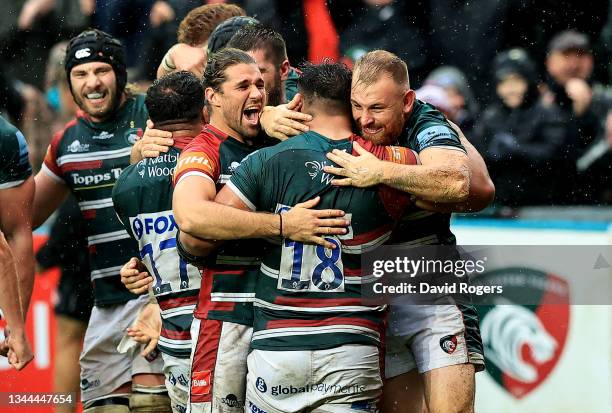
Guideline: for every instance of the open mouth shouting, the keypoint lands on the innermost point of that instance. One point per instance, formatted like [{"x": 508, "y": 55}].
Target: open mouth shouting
[{"x": 251, "y": 113}]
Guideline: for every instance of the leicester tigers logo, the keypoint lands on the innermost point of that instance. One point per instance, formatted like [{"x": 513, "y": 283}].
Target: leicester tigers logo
[
  {"x": 316, "y": 167},
  {"x": 523, "y": 343}
]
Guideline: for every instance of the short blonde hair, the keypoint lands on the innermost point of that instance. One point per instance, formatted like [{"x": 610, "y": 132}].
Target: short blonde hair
[{"x": 372, "y": 65}]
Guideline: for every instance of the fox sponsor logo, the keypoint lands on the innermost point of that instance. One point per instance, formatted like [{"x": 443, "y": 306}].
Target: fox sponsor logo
[
  {"x": 95, "y": 179},
  {"x": 448, "y": 344},
  {"x": 232, "y": 401},
  {"x": 254, "y": 409},
  {"x": 77, "y": 146},
  {"x": 261, "y": 385},
  {"x": 523, "y": 343},
  {"x": 103, "y": 135},
  {"x": 200, "y": 382},
  {"x": 158, "y": 223}
]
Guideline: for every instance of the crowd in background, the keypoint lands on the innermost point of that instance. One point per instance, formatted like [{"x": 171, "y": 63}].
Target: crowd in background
[{"x": 526, "y": 80}]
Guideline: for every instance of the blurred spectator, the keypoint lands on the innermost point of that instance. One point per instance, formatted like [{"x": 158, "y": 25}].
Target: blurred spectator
[
  {"x": 29, "y": 28},
  {"x": 437, "y": 96},
  {"x": 583, "y": 103},
  {"x": 464, "y": 108},
  {"x": 519, "y": 137},
  {"x": 164, "y": 19},
  {"x": 128, "y": 20},
  {"x": 67, "y": 248},
  {"x": 306, "y": 25},
  {"x": 386, "y": 24},
  {"x": 469, "y": 34}
]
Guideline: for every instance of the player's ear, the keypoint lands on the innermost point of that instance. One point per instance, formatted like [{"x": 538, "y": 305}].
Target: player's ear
[
  {"x": 285, "y": 68},
  {"x": 409, "y": 98},
  {"x": 212, "y": 96}
]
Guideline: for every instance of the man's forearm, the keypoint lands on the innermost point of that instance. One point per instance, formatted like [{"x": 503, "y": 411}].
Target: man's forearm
[
  {"x": 21, "y": 245},
  {"x": 9, "y": 296},
  {"x": 213, "y": 221},
  {"x": 431, "y": 183}
]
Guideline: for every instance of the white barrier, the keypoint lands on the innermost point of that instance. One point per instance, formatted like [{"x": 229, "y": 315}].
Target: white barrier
[{"x": 562, "y": 362}]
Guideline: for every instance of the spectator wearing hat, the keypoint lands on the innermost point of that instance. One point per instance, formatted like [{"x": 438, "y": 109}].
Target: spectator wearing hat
[
  {"x": 519, "y": 137},
  {"x": 583, "y": 103},
  {"x": 464, "y": 107}
]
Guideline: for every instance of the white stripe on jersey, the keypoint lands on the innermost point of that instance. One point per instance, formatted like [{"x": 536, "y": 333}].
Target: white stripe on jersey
[
  {"x": 105, "y": 272},
  {"x": 223, "y": 179},
  {"x": 194, "y": 173},
  {"x": 107, "y": 237},
  {"x": 174, "y": 344},
  {"x": 240, "y": 195},
  {"x": 257, "y": 302},
  {"x": 52, "y": 174},
  {"x": 11, "y": 184},
  {"x": 428, "y": 240},
  {"x": 303, "y": 331},
  {"x": 183, "y": 310},
  {"x": 233, "y": 297},
  {"x": 368, "y": 246},
  {"x": 96, "y": 204},
  {"x": 270, "y": 272},
  {"x": 93, "y": 156}
]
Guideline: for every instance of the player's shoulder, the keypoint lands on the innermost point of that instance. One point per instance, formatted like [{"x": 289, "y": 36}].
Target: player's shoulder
[
  {"x": 205, "y": 141},
  {"x": 11, "y": 138},
  {"x": 67, "y": 134}
]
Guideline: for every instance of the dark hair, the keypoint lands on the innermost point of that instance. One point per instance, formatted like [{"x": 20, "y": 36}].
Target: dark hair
[
  {"x": 326, "y": 81},
  {"x": 260, "y": 37},
  {"x": 218, "y": 62},
  {"x": 224, "y": 31},
  {"x": 197, "y": 26},
  {"x": 178, "y": 96}
]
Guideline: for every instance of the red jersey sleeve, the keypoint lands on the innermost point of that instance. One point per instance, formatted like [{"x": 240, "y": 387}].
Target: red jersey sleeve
[{"x": 199, "y": 158}]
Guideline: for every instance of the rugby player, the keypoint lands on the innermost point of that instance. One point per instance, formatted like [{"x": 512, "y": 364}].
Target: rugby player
[
  {"x": 142, "y": 198},
  {"x": 452, "y": 177},
  {"x": 315, "y": 346},
  {"x": 268, "y": 48},
  {"x": 16, "y": 264},
  {"x": 222, "y": 328},
  {"x": 386, "y": 111},
  {"x": 16, "y": 196},
  {"x": 86, "y": 158}
]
